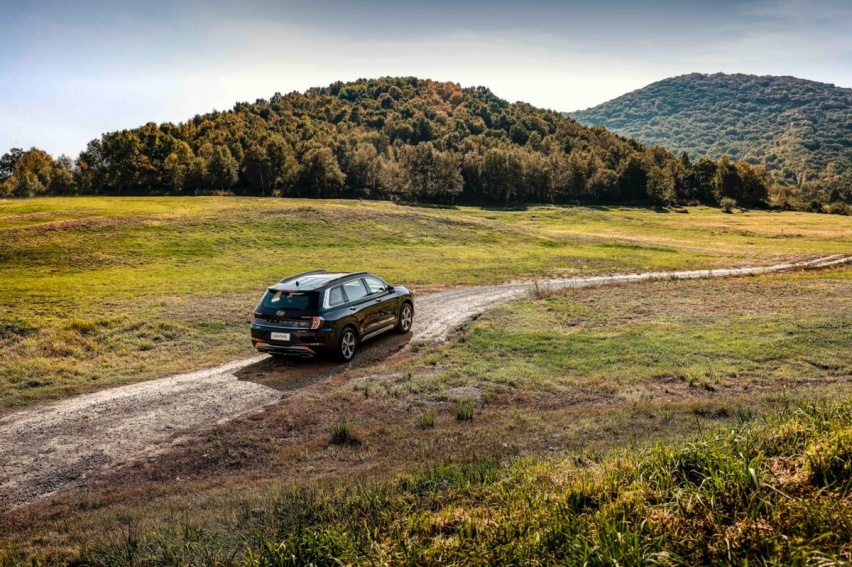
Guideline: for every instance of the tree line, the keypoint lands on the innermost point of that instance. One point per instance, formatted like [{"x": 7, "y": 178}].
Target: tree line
[{"x": 392, "y": 138}]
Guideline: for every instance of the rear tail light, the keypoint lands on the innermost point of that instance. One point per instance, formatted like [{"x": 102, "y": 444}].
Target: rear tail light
[
  {"x": 253, "y": 317},
  {"x": 316, "y": 322}
]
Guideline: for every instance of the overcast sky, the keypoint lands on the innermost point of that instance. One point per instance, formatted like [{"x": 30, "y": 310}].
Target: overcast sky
[{"x": 71, "y": 70}]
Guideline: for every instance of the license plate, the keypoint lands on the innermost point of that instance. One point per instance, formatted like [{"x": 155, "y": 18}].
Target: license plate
[{"x": 280, "y": 336}]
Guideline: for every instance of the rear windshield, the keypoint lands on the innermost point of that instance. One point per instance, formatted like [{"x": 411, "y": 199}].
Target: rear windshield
[{"x": 289, "y": 300}]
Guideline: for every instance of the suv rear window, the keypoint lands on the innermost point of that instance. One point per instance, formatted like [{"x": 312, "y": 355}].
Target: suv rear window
[
  {"x": 335, "y": 295},
  {"x": 289, "y": 300}
]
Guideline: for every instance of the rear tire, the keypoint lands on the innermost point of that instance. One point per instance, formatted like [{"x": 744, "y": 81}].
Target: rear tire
[
  {"x": 348, "y": 345},
  {"x": 405, "y": 319}
]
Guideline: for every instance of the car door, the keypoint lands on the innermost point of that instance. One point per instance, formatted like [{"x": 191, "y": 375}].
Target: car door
[
  {"x": 387, "y": 303},
  {"x": 361, "y": 305}
]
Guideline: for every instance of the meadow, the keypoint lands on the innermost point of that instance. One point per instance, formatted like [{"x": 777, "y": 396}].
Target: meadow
[
  {"x": 547, "y": 428},
  {"x": 773, "y": 491},
  {"x": 98, "y": 291},
  {"x": 668, "y": 422}
]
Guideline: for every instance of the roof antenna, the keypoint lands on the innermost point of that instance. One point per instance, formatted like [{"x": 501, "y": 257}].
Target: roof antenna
[{"x": 297, "y": 283}]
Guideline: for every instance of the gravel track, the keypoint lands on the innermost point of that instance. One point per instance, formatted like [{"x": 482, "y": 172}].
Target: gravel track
[
  {"x": 441, "y": 313},
  {"x": 54, "y": 446}
]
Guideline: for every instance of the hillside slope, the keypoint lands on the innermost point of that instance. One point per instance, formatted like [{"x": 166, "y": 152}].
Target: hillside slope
[
  {"x": 800, "y": 130},
  {"x": 404, "y": 138}
]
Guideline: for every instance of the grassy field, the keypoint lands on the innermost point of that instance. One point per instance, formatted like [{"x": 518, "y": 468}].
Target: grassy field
[
  {"x": 772, "y": 492},
  {"x": 533, "y": 440},
  {"x": 96, "y": 292},
  {"x": 642, "y": 340},
  {"x": 654, "y": 422}
]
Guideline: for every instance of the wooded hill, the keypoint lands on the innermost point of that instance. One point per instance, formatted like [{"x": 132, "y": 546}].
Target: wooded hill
[
  {"x": 404, "y": 138},
  {"x": 801, "y": 131}
]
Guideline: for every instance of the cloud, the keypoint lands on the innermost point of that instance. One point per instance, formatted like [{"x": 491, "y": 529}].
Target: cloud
[
  {"x": 803, "y": 38},
  {"x": 69, "y": 72},
  {"x": 801, "y": 14}
]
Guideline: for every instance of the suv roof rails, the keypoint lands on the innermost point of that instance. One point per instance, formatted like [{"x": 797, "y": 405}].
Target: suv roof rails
[
  {"x": 349, "y": 275},
  {"x": 303, "y": 274}
]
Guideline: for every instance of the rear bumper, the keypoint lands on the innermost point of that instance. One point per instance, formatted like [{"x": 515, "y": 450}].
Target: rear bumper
[
  {"x": 298, "y": 351},
  {"x": 303, "y": 343}
]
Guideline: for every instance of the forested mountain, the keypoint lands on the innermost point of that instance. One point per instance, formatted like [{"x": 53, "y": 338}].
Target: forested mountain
[
  {"x": 400, "y": 138},
  {"x": 801, "y": 131}
]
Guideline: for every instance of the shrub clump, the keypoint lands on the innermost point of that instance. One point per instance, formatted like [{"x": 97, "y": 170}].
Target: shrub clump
[
  {"x": 464, "y": 410},
  {"x": 839, "y": 208},
  {"x": 342, "y": 433},
  {"x": 427, "y": 419},
  {"x": 830, "y": 461}
]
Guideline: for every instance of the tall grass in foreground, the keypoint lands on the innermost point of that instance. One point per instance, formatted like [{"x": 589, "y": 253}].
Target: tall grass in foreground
[{"x": 776, "y": 490}]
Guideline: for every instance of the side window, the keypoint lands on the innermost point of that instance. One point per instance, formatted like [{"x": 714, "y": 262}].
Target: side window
[
  {"x": 375, "y": 285},
  {"x": 355, "y": 290},
  {"x": 335, "y": 296}
]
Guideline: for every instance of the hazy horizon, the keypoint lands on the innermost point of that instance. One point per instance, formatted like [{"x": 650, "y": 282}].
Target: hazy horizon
[{"x": 69, "y": 73}]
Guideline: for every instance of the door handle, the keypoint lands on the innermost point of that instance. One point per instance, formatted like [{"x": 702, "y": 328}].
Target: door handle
[
  {"x": 353, "y": 308},
  {"x": 378, "y": 300}
]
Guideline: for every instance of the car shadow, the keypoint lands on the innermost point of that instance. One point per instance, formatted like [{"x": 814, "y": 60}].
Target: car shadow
[{"x": 288, "y": 374}]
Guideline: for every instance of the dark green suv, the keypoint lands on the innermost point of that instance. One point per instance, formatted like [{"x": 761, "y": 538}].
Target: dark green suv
[{"x": 319, "y": 312}]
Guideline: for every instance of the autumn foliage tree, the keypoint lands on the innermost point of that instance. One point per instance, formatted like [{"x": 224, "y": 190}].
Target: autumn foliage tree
[
  {"x": 34, "y": 172},
  {"x": 402, "y": 138},
  {"x": 429, "y": 174}
]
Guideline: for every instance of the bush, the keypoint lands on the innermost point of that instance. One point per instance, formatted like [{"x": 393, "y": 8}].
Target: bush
[
  {"x": 815, "y": 206},
  {"x": 464, "y": 410},
  {"x": 728, "y": 205},
  {"x": 341, "y": 433},
  {"x": 427, "y": 420},
  {"x": 830, "y": 461},
  {"x": 838, "y": 208}
]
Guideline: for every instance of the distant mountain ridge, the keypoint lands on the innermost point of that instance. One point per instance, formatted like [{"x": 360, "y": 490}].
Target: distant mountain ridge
[{"x": 800, "y": 130}]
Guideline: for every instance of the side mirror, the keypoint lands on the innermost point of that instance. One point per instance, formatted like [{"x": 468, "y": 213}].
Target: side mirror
[{"x": 389, "y": 289}]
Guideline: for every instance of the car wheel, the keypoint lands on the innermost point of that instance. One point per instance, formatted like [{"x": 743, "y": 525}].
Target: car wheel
[
  {"x": 348, "y": 345},
  {"x": 406, "y": 318}
]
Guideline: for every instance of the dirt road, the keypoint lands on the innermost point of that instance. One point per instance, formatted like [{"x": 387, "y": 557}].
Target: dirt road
[
  {"x": 441, "y": 313},
  {"x": 50, "y": 447}
]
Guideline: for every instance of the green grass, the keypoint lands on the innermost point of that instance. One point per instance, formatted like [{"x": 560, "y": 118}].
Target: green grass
[
  {"x": 581, "y": 378},
  {"x": 96, "y": 292},
  {"x": 773, "y": 491},
  {"x": 637, "y": 342},
  {"x": 569, "y": 390}
]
